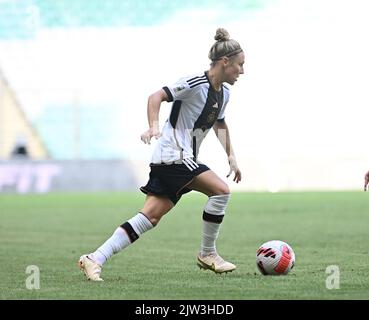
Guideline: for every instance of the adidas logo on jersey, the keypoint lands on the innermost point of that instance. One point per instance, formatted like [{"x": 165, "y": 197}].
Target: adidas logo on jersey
[{"x": 215, "y": 105}]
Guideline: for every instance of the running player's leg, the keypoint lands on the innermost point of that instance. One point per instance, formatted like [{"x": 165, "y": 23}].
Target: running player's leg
[
  {"x": 154, "y": 209},
  {"x": 209, "y": 183},
  {"x": 218, "y": 192}
]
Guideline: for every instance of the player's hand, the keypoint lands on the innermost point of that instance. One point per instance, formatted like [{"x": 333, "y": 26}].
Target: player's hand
[
  {"x": 234, "y": 168},
  {"x": 148, "y": 134},
  {"x": 366, "y": 181}
]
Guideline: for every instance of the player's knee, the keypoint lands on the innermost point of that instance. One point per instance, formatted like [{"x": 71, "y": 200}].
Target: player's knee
[{"x": 222, "y": 189}]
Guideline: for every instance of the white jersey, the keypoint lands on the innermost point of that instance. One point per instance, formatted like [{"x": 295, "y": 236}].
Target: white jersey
[{"x": 196, "y": 107}]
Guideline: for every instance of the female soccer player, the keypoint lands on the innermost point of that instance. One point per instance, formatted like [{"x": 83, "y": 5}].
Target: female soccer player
[
  {"x": 366, "y": 181},
  {"x": 199, "y": 103}
]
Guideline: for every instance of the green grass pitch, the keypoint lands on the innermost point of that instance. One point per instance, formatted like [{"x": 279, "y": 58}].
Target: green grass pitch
[{"x": 51, "y": 231}]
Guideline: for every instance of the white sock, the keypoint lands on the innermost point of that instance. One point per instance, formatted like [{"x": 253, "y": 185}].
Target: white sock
[
  {"x": 140, "y": 223},
  {"x": 118, "y": 241},
  {"x": 210, "y": 232},
  {"x": 121, "y": 239}
]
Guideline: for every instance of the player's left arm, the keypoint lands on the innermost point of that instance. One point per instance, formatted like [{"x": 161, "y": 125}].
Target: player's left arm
[
  {"x": 222, "y": 132},
  {"x": 366, "y": 181}
]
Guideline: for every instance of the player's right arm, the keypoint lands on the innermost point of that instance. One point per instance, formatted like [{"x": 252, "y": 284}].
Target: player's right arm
[{"x": 153, "y": 108}]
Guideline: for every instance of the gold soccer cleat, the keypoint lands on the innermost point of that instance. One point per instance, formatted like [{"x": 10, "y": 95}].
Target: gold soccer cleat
[
  {"x": 90, "y": 268},
  {"x": 215, "y": 262}
]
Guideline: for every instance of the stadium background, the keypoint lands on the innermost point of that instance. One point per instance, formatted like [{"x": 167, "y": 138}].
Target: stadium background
[
  {"x": 74, "y": 80},
  {"x": 75, "y": 77}
]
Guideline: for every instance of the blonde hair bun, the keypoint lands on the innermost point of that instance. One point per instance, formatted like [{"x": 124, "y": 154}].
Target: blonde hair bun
[
  {"x": 221, "y": 35},
  {"x": 224, "y": 46}
]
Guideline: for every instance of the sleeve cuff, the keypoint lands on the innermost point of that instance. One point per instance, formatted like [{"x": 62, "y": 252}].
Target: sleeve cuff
[{"x": 169, "y": 94}]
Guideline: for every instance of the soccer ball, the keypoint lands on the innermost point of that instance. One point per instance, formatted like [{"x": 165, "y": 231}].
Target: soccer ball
[{"x": 275, "y": 258}]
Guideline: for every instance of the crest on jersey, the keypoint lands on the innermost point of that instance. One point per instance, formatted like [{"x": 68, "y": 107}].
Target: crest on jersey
[{"x": 179, "y": 88}]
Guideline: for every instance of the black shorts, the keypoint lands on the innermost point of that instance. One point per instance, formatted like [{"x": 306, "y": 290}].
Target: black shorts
[{"x": 171, "y": 180}]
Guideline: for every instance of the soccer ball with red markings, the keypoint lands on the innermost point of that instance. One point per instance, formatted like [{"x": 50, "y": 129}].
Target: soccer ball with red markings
[{"x": 275, "y": 258}]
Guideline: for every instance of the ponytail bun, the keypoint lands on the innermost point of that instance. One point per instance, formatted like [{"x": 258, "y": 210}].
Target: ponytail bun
[{"x": 221, "y": 35}]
